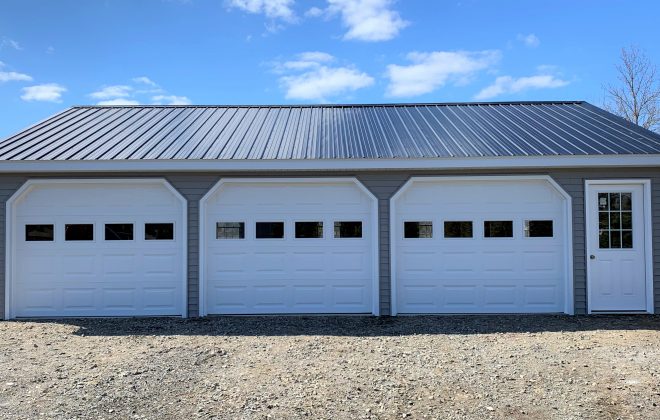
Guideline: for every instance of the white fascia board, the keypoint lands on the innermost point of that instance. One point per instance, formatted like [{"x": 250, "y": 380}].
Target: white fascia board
[{"x": 522, "y": 162}]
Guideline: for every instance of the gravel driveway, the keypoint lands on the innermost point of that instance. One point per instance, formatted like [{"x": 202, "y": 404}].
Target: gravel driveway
[{"x": 332, "y": 367}]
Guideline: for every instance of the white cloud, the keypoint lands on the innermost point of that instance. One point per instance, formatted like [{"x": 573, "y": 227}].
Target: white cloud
[
  {"x": 12, "y": 76},
  {"x": 314, "y": 12},
  {"x": 367, "y": 20},
  {"x": 315, "y": 56},
  {"x": 119, "y": 101},
  {"x": 9, "y": 43},
  {"x": 110, "y": 92},
  {"x": 311, "y": 77},
  {"x": 430, "y": 71},
  {"x": 508, "y": 85},
  {"x": 170, "y": 100},
  {"x": 273, "y": 9},
  {"x": 142, "y": 90},
  {"x": 145, "y": 81},
  {"x": 306, "y": 60},
  {"x": 50, "y": 50},
  {"x": 325, "y": 82},
  {"x": 48, "y": 92},
  {"x": 529, "y": 40}
]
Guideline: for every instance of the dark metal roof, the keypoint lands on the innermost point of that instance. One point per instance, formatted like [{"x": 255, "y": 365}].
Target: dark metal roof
[{"x": 329, "y": 132}]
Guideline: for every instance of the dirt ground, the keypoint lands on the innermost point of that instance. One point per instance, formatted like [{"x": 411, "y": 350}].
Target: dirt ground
[{"x": 332, "y": 367}]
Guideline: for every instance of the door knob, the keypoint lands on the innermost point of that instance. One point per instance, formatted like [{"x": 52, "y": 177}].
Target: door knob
[{"x": 592, "y": 257}]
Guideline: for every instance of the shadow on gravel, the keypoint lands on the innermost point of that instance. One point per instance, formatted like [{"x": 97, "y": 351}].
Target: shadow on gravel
[{"x": 355, "y": 326}]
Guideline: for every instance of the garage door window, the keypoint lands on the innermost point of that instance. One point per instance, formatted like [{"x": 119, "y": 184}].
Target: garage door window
[
  {"x": 159, "y": 231},
  {"x": 417, "y": 230},
  {"x": 348, "y": 229},
  {"x": 538, "y": 229},
  {"x": 39, "y": 233},
  {"x": 230, "y": 230},
  {"x": 119, "y": 232},
  {"x": 79, "y": 232},
  {"x": 309, "y": 230},
  {"x": 458, "y": 229},
  {"x": 498, "y": 229},
  {"x": 270, "y": 230}
]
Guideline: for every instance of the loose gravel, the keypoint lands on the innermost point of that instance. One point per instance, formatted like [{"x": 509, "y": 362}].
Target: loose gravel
[{"x": 513, "y": 367}]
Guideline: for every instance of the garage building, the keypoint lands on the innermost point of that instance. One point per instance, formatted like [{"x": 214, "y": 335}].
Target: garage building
[{"x": 524, "y": 207}]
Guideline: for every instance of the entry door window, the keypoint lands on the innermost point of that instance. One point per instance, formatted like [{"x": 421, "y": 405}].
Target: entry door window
[{"x": 615, "y": 220}]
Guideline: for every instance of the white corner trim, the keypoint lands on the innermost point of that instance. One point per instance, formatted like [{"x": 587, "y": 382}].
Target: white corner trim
[
  {"x": 10, "y": 235},
  {"x": 648, "y": 234},
  {"x": 200, "y": 165},
  {"x": 569, "y": 305},
  {"x": 203, "y": 311}
]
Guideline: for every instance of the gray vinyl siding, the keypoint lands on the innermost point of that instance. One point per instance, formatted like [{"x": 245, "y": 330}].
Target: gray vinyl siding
[{"x": 383, "y": 184}]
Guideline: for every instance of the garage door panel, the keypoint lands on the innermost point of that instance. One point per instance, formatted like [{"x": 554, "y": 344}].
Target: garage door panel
[
  {"x": 312, "y": 296},
  {"x": 459, "y": 295},
  {"x": 479, "y": 274},
  {"x": 304, "y": 263},
  {"x": 290, "y": 274},
  {"x": 117, "y": 265},
  {"x": 97, "y": 277},
  {"x": 158, "y": 264},
  {"x": 79, "y": 298},
  {"x": 541, "y": 295}
]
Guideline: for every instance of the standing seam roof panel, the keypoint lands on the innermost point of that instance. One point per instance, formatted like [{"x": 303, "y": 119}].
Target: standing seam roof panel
[
  {"x": 135, "y": 140},
  {"x": 263, "y": 134},
  {"x": 251, "y": 136},
  {"x": 161, "y": 135},
  {"x": 40, "y": 149},
  {"x": 539, "y": 148},
  {"x": 584, "y": 144},
  {"x": 508, "y": 136},
  {"x": 582, "y": 136},
  {"x": 82, "y": 141},
  {"x": 44, "y": 126},
  {"x": 635, "y": 132},
  {"x": 632, "y": 140},
  {"x": 8, "y": 149},
  {"x": 225, "y": 135},
  {"x": 277, "y": 136},
  {"x": 207, "y": 141},
  {"x": 478, "y": 130},
  {"x": 113, "y": 138},
  {"x": 505, "y": 140},
  {"x": 462, "y": 126},
  {"x": 238, "y": 136},
  {"x": 437, "y": 146},
  {"x": 328, "y": 132},
  {"x": 533, "y": 129},
  {"x": 413, "y": 133},
  {"x": 107, "y": 138},
  {"x": 200, "y": 125},
  {"x": 176, "y": 138}
]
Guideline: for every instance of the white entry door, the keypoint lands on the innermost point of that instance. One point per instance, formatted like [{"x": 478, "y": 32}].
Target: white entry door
[{"x": 616, "y": 247}]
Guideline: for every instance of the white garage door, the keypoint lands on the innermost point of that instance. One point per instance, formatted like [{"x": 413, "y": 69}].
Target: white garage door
[
  {"x": 97, "y": 248},
  {"x": 288, "y": 246},
  {"x": 487, "y": 245}
]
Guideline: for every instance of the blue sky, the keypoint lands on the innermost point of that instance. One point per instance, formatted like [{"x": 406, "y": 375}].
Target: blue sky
[{"x": 55, "y": 54}]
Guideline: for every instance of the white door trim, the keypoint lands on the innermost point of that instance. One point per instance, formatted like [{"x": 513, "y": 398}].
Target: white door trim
[
  {"x": 10, "y": 235},
  {"x": 648, "y": 233},
  {"x": 223, "y": 181},
  {"x": 569, "y": 306}
]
